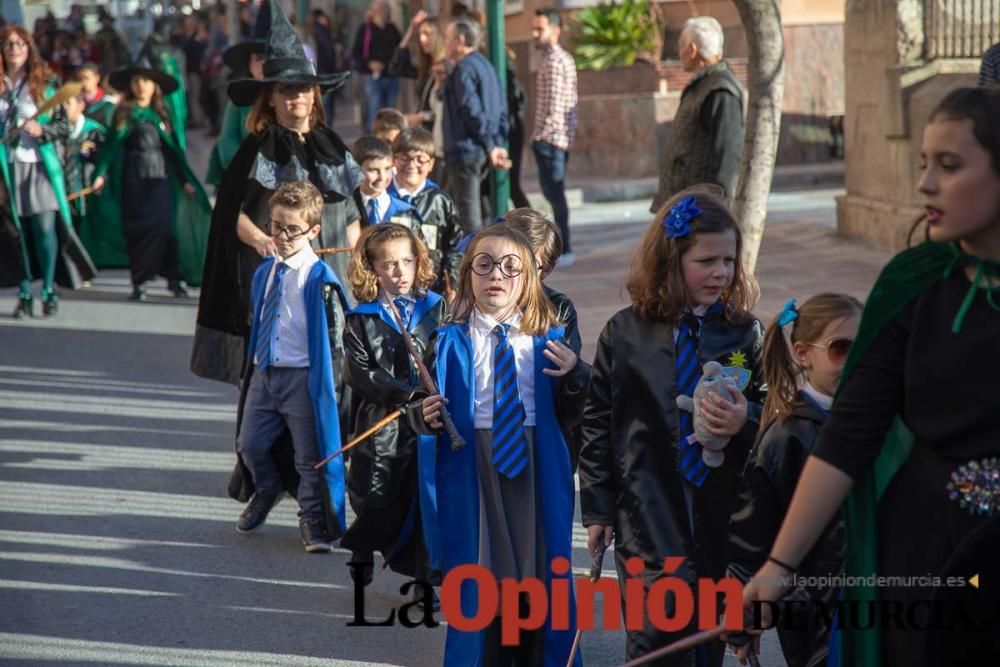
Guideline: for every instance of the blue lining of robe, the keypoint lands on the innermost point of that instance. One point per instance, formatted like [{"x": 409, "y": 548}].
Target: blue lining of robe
[
  {"x": 458, "y": 489},
  {"x": 321, "y": 389},
  {"x": 421, "y": 307}
]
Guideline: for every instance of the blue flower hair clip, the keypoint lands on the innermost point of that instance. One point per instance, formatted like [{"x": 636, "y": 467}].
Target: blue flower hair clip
[
  {"x": 678, "y": 222},
  {"x": 788, "y": 313}
]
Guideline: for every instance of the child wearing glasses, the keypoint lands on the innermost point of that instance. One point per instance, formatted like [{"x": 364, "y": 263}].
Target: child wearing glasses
[
  {"x": 505, "y": 499},
  {"x": 288, "y": 404},
  {"x": 804, "y": 353},
  {"x": 643, "y": 476},
  {"x": 413, "y": 159},
  {"x": 390, "y": 483}
]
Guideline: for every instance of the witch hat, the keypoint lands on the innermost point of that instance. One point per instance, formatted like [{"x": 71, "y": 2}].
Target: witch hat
[
  {"x": 237, "y": 57},
  {"x": 285, "y": 62},
  {"x": 146, "y": 65}
]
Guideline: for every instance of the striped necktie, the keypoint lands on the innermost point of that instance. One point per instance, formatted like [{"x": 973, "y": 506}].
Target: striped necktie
[
  {"x": 688, "y": 372},
  {"x": 269, "y": 319},
  {"x": 373, "y": 213},
  {"x": 510, "y": 445},
  {"x": 403, "y": 308}
]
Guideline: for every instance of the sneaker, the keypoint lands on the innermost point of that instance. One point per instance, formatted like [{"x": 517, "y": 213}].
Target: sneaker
[
  {"x": 50, "y": 302},
  {"x": 565, "y": 260},
  {"x": 24, "y": 307},
  {"x": 256, "y": 511},
  {"x": 138, "y": 293},
  {"x": 314, "y": 535}
]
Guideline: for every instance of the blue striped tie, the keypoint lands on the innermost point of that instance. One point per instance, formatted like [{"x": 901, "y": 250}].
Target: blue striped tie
[
  {"x": 510, "y": 446},
  {"x": 688, "y": 372},
  {"x": 403, "y": 308},
  {"x": 373, "y": 213},
  {"x": 269, "y": 318}
]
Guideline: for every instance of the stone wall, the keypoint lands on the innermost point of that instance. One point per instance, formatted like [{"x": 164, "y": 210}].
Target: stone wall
[{"x": 889, "y": 97}]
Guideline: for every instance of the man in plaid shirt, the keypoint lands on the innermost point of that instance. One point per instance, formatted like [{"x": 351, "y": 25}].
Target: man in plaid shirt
[{"x": 555, "y": 118}]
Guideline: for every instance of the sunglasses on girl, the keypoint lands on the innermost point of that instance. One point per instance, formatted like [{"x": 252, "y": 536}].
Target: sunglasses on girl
[{"x": 836, "y": 349}]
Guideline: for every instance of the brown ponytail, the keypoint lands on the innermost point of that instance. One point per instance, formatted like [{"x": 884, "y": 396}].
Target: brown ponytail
[{"x": 781, "y": 370}]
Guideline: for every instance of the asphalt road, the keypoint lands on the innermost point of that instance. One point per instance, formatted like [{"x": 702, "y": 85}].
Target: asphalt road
[{"x": 117, "y": 539}]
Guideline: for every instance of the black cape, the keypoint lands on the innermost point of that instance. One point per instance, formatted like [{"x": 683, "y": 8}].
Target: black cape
[{"x": 223, "y": 310}]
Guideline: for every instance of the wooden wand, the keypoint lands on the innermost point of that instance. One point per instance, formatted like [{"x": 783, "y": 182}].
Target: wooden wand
[
  {"x": 331, "y": 251},
  {"x": 80, "y": 193},
  {"x": 457, "y": 441},
  {"x": 66, "y": 91},
  {"x": 377, "y": 426},
  {"x": 695, "y": 640},
  {"x": 595, "y": 574}
]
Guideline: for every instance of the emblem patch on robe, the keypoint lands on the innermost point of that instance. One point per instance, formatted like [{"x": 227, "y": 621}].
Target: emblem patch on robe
[
  {"x": 736, "y": 368},
  {"x": 430, "y": 233}
]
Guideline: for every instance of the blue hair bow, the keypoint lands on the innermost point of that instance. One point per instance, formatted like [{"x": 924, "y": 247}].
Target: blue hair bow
[
  {"x": 678, "y": 222},
  {"x": 788, "y": 313}
]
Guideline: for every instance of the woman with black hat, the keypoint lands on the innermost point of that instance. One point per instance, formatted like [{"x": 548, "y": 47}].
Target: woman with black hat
[
  {"x": 164, "y": 212},
  {"x": 36, "y": 232},
  {"x": 288, "y": 142}
]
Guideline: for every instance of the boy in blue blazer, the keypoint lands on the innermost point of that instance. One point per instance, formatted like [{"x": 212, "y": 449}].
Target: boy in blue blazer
[{"x": 288, "y": 408}]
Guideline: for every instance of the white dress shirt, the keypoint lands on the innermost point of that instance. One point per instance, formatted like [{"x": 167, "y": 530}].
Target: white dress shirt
[
  {"x": 404, "y": 193},
  {"x": 383, "y": 204},
  {"x": 483, "y": 345},
  {"x": 291, "y": 343},
  {"x": 27, "y": 146},
  {"x": 822, "y": 400}
]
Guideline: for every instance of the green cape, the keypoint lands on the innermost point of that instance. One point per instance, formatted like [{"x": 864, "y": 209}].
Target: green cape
[
  {"x": 102, "y": 233},
  {"x": 906, "y": 276},
  {"x": 233, "y": 132}
]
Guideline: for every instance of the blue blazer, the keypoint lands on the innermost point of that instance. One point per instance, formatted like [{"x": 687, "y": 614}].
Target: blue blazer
[
  {"x": 321, "y": 374},
  {"x": 458, "y": 487}
]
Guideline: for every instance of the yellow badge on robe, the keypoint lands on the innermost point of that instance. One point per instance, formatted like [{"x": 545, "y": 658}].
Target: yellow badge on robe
[{"x": 737, "y": 368}]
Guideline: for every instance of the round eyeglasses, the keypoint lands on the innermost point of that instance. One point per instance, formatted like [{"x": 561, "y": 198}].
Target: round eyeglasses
[
  {"x": 291, "y": 233},
  {"x": 836, "y": 349},
  {"x": 510, "y": 265},
  {"x": 420, "y": 160}
]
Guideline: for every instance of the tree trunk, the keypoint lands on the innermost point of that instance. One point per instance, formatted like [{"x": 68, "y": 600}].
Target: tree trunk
[{"x": 766, "y": 87}]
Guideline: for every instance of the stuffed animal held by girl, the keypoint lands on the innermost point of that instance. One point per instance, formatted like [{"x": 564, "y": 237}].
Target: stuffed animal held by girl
[{"x": 713, "y": 381}]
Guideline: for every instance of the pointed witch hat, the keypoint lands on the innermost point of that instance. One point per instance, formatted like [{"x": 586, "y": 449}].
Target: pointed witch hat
[
  {"x": 285, "y": 62},
  {"x": 237, "y": 57},
  {"x": 144, "y": 65}
]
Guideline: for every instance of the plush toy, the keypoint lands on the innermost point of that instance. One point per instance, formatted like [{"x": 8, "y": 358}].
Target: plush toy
[{"x": 713, "y": 381}]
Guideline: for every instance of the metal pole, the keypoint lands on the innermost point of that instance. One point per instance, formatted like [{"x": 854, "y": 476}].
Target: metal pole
[
  {"x": 233, "y": 21},
  {"x": 302, "y": 13},
  {"x": 497, "y": 43}
]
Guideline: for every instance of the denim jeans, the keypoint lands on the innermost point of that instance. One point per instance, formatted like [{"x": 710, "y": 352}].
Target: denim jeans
[
  {"x": 464, "y": 185},
  {"x": 552, "y": 177},
  {"x": 379, "y": 94}
]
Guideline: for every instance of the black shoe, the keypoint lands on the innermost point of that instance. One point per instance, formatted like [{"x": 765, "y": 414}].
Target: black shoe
[
  {"x": 24, "y": 308},
  {"x": 138, "y": 293},
  {"x": 256, "y": 511},
  {"x": 314, "y": 535},
  {"x": 367, "y": 569},
  {"x": 418, "y": 597},
  {"x": 50, "y": 302},
  {"x": 178, "y": 289}
]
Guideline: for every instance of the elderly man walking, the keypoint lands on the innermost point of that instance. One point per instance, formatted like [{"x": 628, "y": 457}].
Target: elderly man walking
[
  {"x": 555, "y": 118},
  {"x": 706, "y": 136},
  {"x": 475, "y": 121}
]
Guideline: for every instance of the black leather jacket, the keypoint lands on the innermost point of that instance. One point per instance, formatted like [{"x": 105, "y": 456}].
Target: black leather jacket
[
  {"x": 629, "y": 476},
  {"x": 769, "y": 480},
  {"x": 437, "y": 223},
  {"x": 382, "y": 481}
]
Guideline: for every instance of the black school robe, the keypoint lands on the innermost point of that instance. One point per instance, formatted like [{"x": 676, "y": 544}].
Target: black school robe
[
  {"x": 629, "y": 475},
  {"x": 382, "y": 483},
  {"x": 772, "y": 472}
]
